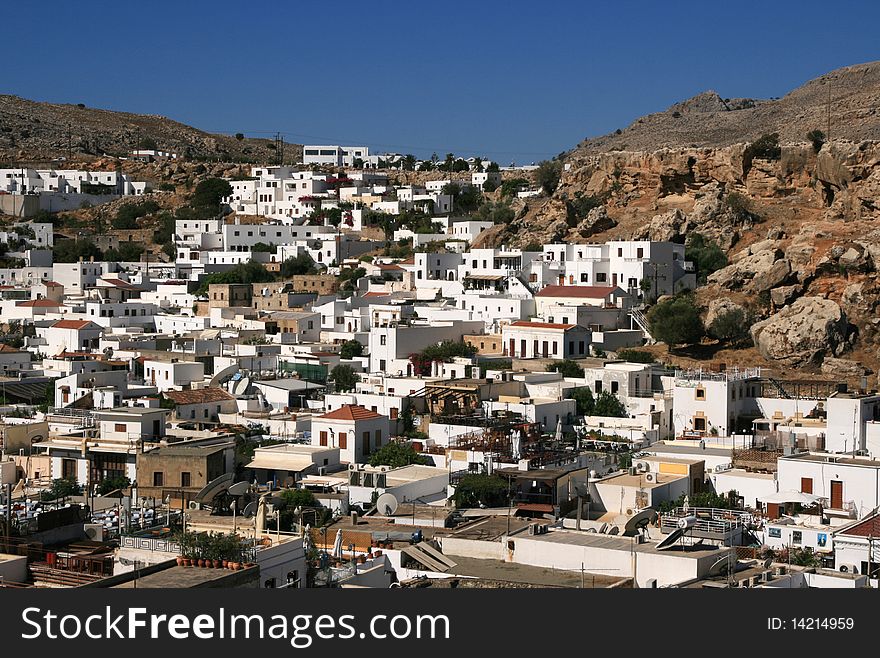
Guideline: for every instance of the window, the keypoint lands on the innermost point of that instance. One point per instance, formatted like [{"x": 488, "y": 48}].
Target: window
[
  {"x": 343, "y": 440},
  {"x": 158, "y": 479},
  {"x": 700, "y": 393},
  {"x": 699, "y": 424},
  {"x": 119, "y": 427},
  {"x": 797, "y": 537},
  {"x": 775, "y": 532},
  {"x": 601, "y": 277},
  {"x": 186, "y": 479},
  {"x": 323, "y": 438}
]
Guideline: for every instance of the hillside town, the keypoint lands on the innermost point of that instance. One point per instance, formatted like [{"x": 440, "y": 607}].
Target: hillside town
[{"x": 326, "y": 380}]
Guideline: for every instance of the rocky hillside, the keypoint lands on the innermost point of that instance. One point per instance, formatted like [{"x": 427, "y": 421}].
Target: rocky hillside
[
  {"x": 35, "y": 131},
  {"x": 801, "y": 231},
  {"x": 710, "y": 120}
]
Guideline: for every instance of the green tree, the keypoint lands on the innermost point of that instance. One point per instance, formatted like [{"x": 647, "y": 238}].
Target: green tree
[
  {"x": 493, "y": 167},
  {"x": 126, "y": 253},
  {"x": 608, "y": 404},
  {"x": 147, "y": 144},
  {"x": 567, "y": 367},
  {"x": 583, "y": 397},
  {"x": 239, "y": 136},
  {"x": 350, "y": 349},
  {"x": 732, "y": 326},
  {"x": 706, "y": 255},
  {"x": 766, "y": 147},
  {"x": 476, "y": 489},
  {"x": 299, "y": 264},
  {"x": 636, "y": 356},
  {"x": 112, "y": 484},
  {"x": 396, "y": 454},
  {"x": 817, "y": 139},
  {"x": 344, "y": 378},
  {"x": 71, "y": 251},
  {"x": 208, "y": 193},
  {"x": 547, "y": 175},
  {"x": 447, "y": 350},
  {"x": 409, "y": 162},
  {"x": 676, "y": 321},
  {"x": 250, "y": 272},
  {"x": 61, "y": 488}
]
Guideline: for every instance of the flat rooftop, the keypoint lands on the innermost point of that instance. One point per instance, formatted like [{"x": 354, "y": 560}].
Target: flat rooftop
[
  {"x": 189, "y": 577},
  {"x": 672, "y": 449},
  {"x": 823, "y": 458},
  {"x": 491, "y": 528},
  {"x": 618, "y": 543},
  {"x": 640, "y": 481},
  {"x": 497, "y": 571}
]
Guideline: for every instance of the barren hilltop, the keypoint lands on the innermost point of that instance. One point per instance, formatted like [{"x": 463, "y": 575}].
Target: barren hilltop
[{"x": 34, "y": 131}]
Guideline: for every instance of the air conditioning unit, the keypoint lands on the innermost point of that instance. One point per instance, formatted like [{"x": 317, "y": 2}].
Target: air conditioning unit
[
  {"x": 643, "y": 467},
  {"x": 94, "y": 531},
  {"x": 352, "y": 467},
  {"x": 532, "y": 527},
  {"x": 383, "y": 468},
  {"x": 848, "y": 568},
  {"x": 650, "y": 477},
  {"x": 194, "y": 505}
]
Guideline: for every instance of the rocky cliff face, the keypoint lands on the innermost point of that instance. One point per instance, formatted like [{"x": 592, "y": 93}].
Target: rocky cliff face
[{"x": 801, "y": 234}]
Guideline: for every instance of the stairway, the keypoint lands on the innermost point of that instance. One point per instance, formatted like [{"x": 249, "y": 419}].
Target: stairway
[{"x": 639, "y": 318}]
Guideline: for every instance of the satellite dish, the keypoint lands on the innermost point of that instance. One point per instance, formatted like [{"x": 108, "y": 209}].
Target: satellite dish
[
  {"x": 387, "y": 504},
  {"x": 250, "y": 509},
  {"x": 239, "y": 489},
  {"x": 241, "y": 386},
  {"x": 614, "y": 530}
]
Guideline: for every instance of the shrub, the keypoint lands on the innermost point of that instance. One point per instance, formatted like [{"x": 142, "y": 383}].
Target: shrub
[
  {"x": 817, "y": 139},
  {"x": 351, "y": 349},
  {"x": 567, "y": 368},
  {"x": 636, "y": 356},
  {"x": 547, "y": 175},
  {"x": 732, "y": 326},
  {"x": 395, "y": 455},
  {"x": 476, "y": 489},
  {"x": 765, "y": 147},
  {"x": 706, "y": 255},
  {"x": 343, "y": 377}
]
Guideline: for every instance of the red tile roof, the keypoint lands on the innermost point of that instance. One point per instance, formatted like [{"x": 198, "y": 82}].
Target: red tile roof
[
  {"x": 376, "y": 294},
  {"x": 541, "y": 325},
  {"x": 73, "y": 324},
  {"x": 590, "y": 292},
  {"x": 198, "y": 396},
  {"x": 870, "y": 527},
  {"x": 39, "y": 303},
  {"x": 8, "y": 348},
  {"x": 51, "y": 284},
  {"x": 351, "y": 412},
  {"x": 119, "y": 283}
]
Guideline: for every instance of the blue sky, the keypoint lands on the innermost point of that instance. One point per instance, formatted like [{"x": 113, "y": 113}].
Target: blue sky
[{"x": 515, "y": 81}]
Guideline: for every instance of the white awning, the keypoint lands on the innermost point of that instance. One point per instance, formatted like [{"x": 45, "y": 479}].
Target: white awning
[
  {"x": 791, "y": 497},
  {"x": 294, "y": 463}
]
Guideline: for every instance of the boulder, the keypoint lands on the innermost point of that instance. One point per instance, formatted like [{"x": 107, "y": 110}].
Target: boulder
[
  {"x": 803, "y": 332},
  {"x": 784, "y": 295},
  {"x": 717, "y": 307},
  {"x": 735, "y": 275},
  {"x": 596, "y": 221},
  {"x": 773, "y": 276},
  {"x": 844, "y": 368}
]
